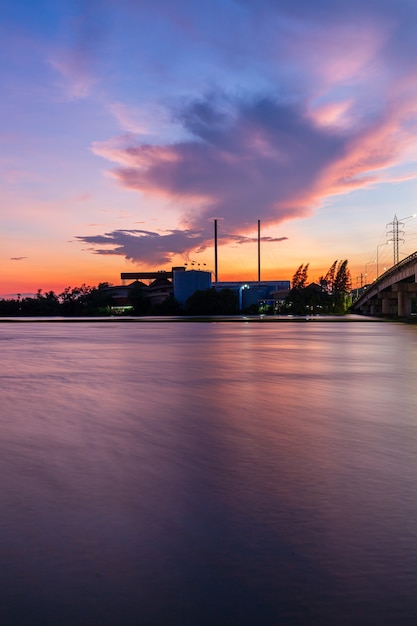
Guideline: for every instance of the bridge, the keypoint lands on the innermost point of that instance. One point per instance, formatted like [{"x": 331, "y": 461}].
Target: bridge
[{"x": 392, "y": 293}]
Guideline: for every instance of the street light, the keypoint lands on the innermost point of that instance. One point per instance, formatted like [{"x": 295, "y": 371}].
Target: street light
[
  {"x": 366, "y": 265},
  {"x": 241, "y": 288},
  {"x": 377, "y": 255},
  {"x": 357, "y": 285}
]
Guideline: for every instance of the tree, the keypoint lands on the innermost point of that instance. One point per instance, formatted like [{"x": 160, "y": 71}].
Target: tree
[
  {"x": 169, "y": 306},
  {"x": 82, "y": 300},
  {"x": 337, "y": 283},
  {"x": 85, "y": 300},
  {"x": 327, "y": 282},
  {"x": 329, "y": 296},
  {"x": 342, "y": 286},
  {"x": 48, "y": 303},
  {"x": 212, "y": 302},
  {"x": 296, "y": 302},
  {"x": 97, "y": 300},
  {"x": 299, "y": 280}
]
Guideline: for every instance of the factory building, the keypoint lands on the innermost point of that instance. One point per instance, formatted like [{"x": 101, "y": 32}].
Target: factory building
[
  {"x": 182, "y": 283},
  {"x": 187, "y": 283}
]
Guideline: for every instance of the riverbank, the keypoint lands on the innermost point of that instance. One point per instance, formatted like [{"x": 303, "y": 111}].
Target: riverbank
[{"x": 203, "y": 318}]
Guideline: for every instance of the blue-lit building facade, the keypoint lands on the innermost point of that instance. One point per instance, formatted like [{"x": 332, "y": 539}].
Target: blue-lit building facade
[
  {"x": 268, "y": 294},
  {"x": 188, "y": 282}
]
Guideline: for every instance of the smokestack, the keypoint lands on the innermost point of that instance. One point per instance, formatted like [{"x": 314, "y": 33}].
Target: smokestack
[
  {"x": 259, "y": 251},
  {"x": 215, "y": 251}
]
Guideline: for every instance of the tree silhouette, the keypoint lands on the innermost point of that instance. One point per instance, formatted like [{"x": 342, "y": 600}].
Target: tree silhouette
[{"x": 329, "y": 296}]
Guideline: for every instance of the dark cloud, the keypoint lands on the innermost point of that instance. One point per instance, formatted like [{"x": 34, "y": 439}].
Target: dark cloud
[
  {"x": 153, "y": 248},
  {"x": 146, "y": 246},
  {"x": 244, "y": 159},
  {"x": 18, "y": 258}
]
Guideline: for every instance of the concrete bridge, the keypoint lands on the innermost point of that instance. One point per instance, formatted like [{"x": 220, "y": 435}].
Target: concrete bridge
[{"x": 392, "y": 293}]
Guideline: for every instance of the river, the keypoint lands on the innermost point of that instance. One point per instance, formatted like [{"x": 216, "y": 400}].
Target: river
[{"x": 188, "y": 474}]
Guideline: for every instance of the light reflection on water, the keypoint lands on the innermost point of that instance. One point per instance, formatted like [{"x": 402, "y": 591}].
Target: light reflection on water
[{"x": 208, "y": 473}]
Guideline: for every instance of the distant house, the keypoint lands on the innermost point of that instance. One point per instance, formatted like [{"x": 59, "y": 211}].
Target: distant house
[
  {"x": 154, "y": 293},
  {"x": 159, "y": 290},
  {"x": 120, "y": 294}
]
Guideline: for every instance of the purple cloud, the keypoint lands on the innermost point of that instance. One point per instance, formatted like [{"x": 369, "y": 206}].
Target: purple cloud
[
  {"x": 243, "y": 159},
  {"x": 153, "y": 248},
  {"x": 146, "y": 246},
  {"x": 342, "y": 111}
]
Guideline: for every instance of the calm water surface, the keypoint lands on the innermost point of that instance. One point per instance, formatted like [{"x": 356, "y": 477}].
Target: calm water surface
[{"x": 196, "y": 474}]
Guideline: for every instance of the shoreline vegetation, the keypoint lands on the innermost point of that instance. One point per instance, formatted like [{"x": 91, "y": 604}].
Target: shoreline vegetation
[
  {"x": 330, "y": 296},
  {"x": 328, "y": 300},
  {"x": 265, "y": 319}
]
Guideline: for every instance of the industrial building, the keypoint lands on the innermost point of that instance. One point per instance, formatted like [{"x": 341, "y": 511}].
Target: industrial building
[
  {"x": 182, "y": 283},
  {"x": 268, "y": 293},
  {"x": 188, "y": 282}
]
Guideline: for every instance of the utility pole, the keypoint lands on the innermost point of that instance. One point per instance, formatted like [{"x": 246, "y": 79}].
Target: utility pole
[{"x": 395, "y": 233}]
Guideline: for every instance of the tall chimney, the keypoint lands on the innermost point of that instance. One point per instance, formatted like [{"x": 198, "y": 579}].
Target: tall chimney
[
  {"x": 215, "y": 251},
  {"x": 259, "y": 251}
]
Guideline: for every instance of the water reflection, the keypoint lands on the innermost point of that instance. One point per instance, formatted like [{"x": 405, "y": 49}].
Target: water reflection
[{"x": 208, "y": 473}]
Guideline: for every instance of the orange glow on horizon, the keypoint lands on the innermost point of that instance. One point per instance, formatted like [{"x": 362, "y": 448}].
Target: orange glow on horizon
[{"x": 57, "y": 279}]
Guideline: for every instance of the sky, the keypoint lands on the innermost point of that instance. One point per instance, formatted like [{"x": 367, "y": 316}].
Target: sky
[{"x": 127, "y": 127}]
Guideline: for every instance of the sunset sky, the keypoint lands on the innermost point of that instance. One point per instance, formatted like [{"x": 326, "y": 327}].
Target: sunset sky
[{"x": 127, "y": 126}]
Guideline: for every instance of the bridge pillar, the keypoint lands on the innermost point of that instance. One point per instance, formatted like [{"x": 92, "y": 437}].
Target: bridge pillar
[
  {"x": 405, "y": 294},
  {"x": 386, "y": 309},
  {"x": 371, "y": 307},
  {"x": 404, "y": 304}
]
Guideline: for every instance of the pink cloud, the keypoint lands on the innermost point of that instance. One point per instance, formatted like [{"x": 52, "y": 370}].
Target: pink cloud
[
  {"x": 350, "y": 119},
  {"x": 344, "y": 54},
  {"x": 77, "y": 79},
  {"x": 260, "y": 158},
  {"x": 127, "y": 118},
  {"x": 267, "y": 157},
  {"x": 247, "y": 160},
  {"x": 333, "y": 113}
]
